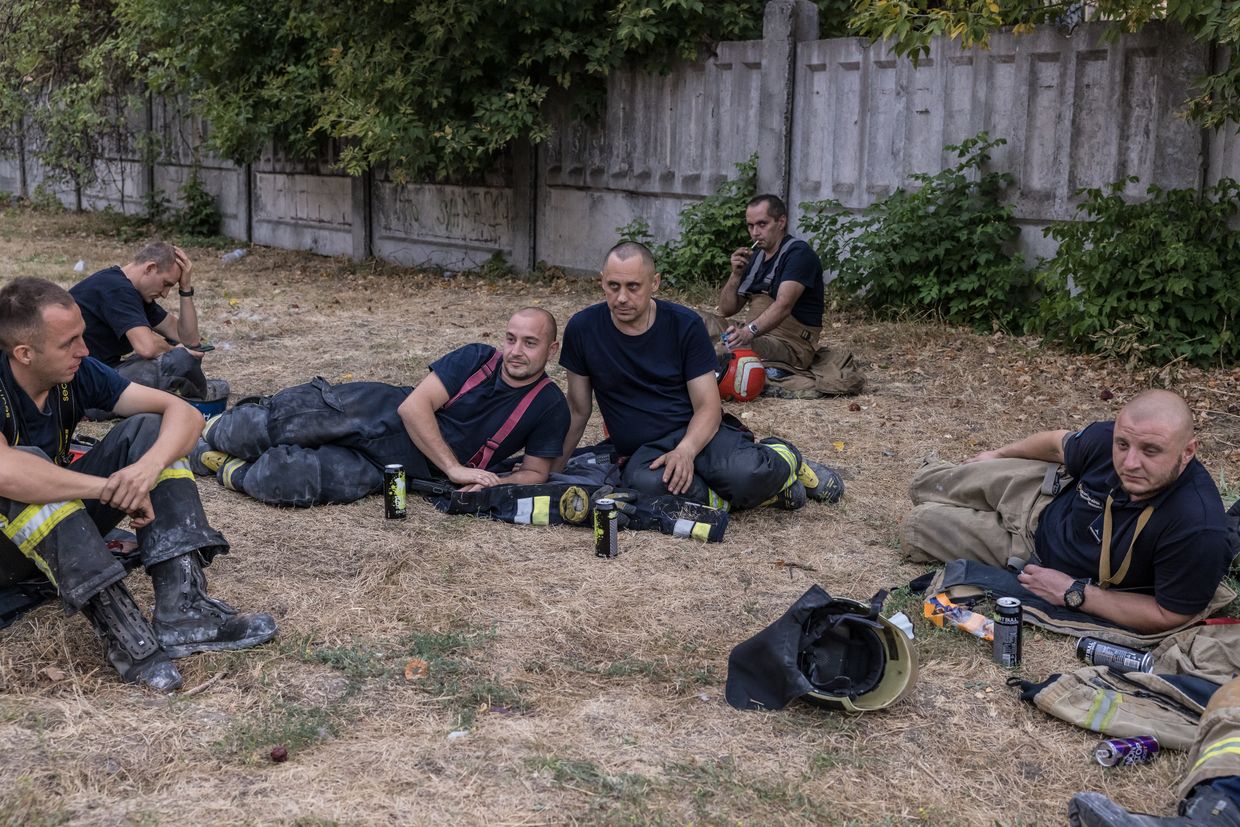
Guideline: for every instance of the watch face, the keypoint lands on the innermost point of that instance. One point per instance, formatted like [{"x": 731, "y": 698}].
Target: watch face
[{"x": 1074, "y": 598}]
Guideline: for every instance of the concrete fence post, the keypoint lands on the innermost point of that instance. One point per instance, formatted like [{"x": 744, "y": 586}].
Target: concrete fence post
[
  {"x": 524, "y": 205},
  {"x": 784, "y": 24},
  {"x": 362, "y": 216}
]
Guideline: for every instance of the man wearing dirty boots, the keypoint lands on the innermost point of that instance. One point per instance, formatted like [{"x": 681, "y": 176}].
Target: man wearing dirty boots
[
  {"x": 128, "y": 331},
  {"x": 651, "y": 365},
  {"x": 1134, "y": 534},
  {"x": 52, "y": 513}
]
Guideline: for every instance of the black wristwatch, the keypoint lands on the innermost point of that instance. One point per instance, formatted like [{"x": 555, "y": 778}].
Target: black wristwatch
[
  {"x": 1074, "y": 597},
  {"x": 185, "y": 293}
]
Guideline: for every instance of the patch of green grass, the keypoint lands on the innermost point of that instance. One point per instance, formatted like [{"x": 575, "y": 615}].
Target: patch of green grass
[
  {"x": 709, "y": 782},
  {"x": 291, "y": 726},
  {"x": 588, "y": 777}
]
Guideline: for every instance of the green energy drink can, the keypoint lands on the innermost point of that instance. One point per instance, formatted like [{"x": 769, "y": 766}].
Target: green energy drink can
[
  {"x": 606, "y": 527},
  {"x": 394, "y": 498},
  {"x": 1007, "y": 632}
]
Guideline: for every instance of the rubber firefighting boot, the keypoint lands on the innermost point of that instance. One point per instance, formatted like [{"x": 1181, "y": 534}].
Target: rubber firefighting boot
[
  {"x": 130, "y": 644},
  {"x": 1206, "y": 808},
  {"x": 187, "y": 620}
]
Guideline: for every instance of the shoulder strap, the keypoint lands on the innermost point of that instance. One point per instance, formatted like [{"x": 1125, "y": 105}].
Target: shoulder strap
[
  {"x": 66, "y": 422},
  {"x": 482, "y": 458},
  {"x": 9, "y": 425},
  {"x": 750, "y": 285},
  {"x": 477, "y": 378}
]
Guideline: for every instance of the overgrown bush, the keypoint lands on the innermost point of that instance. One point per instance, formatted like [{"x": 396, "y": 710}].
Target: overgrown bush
[
  {"x": 709, "y": 231},
  {"x": 199, "y": 216},
  {"x": 1150, "y": 281},
  {"x": 942, "y": 248}
]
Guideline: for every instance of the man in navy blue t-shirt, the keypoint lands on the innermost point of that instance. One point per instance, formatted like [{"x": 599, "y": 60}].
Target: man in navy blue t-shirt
[
  {"x": 1136, "y": 536},
  {"x": 54, "y": 510},
  {"x": 315, "y": 443},
  {"x": 127, "y": 330},
  {"x": 651, "y": 365},
  {"x": 781, "y": 281}
]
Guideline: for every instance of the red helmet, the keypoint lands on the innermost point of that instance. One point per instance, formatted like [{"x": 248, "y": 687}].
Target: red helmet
[{"x": 742, "y": 378}]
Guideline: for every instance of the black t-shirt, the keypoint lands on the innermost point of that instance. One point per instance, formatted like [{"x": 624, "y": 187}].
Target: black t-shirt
[
  {"x": 640, "y": 381},
  {"x": 112, "y": 306},
  {"x": 801, "y": 264},
  {"x": 477, "y": 416},
  {"x": 95, "y": 386},
  {"x": 1182, "y": 553}
]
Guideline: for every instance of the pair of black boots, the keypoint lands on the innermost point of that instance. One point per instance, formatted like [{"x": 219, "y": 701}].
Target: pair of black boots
[{"x": 186, "y": 620}]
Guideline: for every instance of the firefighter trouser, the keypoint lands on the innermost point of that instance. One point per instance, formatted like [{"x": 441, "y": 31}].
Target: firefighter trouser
[
  {"x": 789, "y": 342},
  {"x": 64, "y": 541},
  {"x": 314, "y": 443},
  {"x": 176, "y": 371},
  {"x": 1216, "y": 753},
  {"x": 983, "y": 511},
  {"x": 742, "y": 472}
]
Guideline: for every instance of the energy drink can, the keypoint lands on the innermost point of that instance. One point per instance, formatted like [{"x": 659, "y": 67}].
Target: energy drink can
[
  {"x": 606, "y": 528},
  {"x": 1007, "y": 643},
  {"x": 1119, "y": 658},
  {"x": 394, "y": 492},
  {"x": 1115, "y": 752}
]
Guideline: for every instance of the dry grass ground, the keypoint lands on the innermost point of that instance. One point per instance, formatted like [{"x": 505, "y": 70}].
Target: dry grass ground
[{"x": 560, "y": 688}]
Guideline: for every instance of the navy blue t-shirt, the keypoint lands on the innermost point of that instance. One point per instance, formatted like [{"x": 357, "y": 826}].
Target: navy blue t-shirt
[
  {"x": 800, "y": 264},
  {"x": 94, "y": 386},
  {"x": 1182, "y": 553},
  {"x": 640, "y": 381},
  {"x": 477, "y": 416},
  {"x": 112, "y": 306}
]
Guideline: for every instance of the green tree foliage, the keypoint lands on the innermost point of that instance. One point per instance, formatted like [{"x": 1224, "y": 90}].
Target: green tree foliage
[
  {"x": 710, "y": 230},
  {"x": 943, "y": 248},
  {"x": 1151, "y": 281},
  {"x": 911, "y": 24},
  {"x": 61, "y": 83},
  {"x": 420, "y": 88}
]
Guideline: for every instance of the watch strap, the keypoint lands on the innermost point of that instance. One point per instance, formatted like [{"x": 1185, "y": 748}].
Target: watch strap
[{"x": 185, "y": 293}]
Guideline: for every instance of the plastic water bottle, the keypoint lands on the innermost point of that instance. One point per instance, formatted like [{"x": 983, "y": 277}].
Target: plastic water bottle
[{"x": 235, "y": 255}]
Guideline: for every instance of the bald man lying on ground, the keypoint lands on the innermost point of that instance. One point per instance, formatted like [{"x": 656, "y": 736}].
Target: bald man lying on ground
[{"x": 1124, "y": 523}]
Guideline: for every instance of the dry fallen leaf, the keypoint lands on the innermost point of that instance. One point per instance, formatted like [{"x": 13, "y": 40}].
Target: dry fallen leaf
[
  {"x": 838, "y": 445},
  {"x": 416, "y": 669},
  {"x": 53, "y": 673}
]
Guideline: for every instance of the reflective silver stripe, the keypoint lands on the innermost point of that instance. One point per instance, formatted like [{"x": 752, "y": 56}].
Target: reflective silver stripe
[
  {"x": 683, "y": 529},
  {"x": 525, "y": 510}
]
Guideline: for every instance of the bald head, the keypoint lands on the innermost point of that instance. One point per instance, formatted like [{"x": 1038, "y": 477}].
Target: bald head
[
  {"x": 1153, "y": 443},
  {"x": 544, "y": 317},
  {"x": 1162, "y": 408}
]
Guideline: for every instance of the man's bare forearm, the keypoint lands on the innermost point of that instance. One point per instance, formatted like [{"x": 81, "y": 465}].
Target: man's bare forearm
[
  {"x": 1139, "y": 612},
  {"x": 423, "y": 429},
  {"x": 27, "y": 478}
]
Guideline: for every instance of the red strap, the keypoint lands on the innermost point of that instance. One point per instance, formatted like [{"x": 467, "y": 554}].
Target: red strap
[
  {"x": 479, "y": 376},
  {"x": 482, "y": 458}
]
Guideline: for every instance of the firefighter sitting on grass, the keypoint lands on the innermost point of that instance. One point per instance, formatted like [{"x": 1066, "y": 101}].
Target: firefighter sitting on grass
[
  {"x": 52, "y": 513},
  {"x": 318, "y": 443}
]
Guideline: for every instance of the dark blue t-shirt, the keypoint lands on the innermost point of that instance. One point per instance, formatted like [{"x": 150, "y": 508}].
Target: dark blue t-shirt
[
  {"x": 477, "y": 416},
  {"x": 95, "y": 386},
  {"x": 640, "y": 381},
  {"x": 112, "y": 306},
  {"x": 801, "y": 264},
  {"x": 1182, "y": 553}
]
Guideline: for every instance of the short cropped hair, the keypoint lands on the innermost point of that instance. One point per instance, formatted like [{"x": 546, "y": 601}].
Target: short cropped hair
[
  {"x": 775, "y": 206},
  {"x": 625, "y": 250},
  {"x": 548, "y": 319},
  {"x": 160, "y": 252},
  {"x": 21, "y": 309}
]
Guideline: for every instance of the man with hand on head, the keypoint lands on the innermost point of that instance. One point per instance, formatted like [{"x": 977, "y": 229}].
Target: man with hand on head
[
  {"x": 651, "y": 366},
  {"x": 127, "y": 330},
  {"x": 53, "y": 513},
  {"x": 1136, "y": 536}
]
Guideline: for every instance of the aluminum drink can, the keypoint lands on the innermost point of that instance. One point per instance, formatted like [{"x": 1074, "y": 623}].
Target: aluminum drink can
[
  {"x": 394, "y": 498},
  {"x": 606, "y": 527},
  {"x": 1115, "y": 752},
  {"x": 1119, "y": 658},
  {"x": 1007, "y": 638}
]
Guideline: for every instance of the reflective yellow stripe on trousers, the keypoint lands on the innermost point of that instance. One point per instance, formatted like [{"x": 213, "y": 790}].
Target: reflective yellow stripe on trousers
[
  {"x": 177, "y": 470},
  {"x": 33, "y": 524}
]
